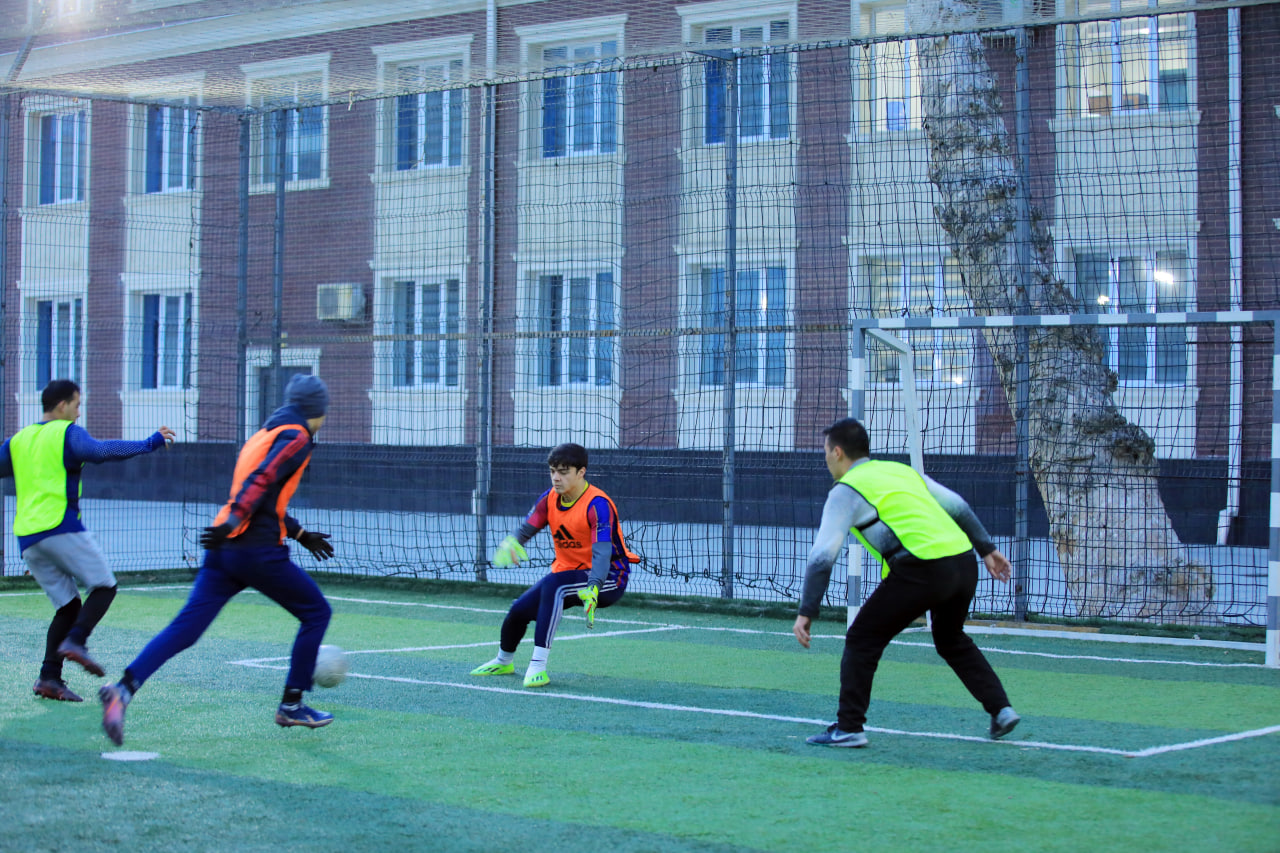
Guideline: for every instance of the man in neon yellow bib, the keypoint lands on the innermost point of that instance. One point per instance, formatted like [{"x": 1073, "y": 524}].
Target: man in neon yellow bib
[
  {"x": 45, "y": 460},
  {"x": 923, "y": 535}
]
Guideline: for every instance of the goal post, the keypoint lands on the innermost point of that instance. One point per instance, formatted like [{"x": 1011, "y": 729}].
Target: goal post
[
  {"x": 915, "y": 444},
  {"x": 1200, "y": 579}
]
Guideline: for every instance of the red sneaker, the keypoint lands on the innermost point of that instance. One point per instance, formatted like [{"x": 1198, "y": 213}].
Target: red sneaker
[{"x": 113, "y": 706}]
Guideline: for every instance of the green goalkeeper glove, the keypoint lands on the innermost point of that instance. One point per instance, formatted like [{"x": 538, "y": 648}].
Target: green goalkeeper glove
[
  {"x": 590, "y": 598},
  {"x": 509, "y": 553}
]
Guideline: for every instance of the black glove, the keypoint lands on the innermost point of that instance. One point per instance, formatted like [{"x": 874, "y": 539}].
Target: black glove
[
  {"x": 317, "y": 543},
  {"x": 213, "y": 537}
]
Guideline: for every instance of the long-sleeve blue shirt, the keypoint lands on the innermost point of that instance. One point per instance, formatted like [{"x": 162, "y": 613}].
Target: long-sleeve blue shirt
[{"x": 79, "y": 449}]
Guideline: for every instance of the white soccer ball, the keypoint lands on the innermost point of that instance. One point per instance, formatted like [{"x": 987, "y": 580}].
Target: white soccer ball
[{"x": 331, "y": 666}]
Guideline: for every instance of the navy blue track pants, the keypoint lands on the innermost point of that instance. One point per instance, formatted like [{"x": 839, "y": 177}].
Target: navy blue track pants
[{"x": 227, "y": 571}]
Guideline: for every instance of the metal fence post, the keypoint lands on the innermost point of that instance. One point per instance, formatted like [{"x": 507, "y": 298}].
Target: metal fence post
[
  {"x": 277, "y": 260},
  {"x": 1272, "y": 658},
  {"x": 6, "y": 104},
  {"x": 731, "y": 323},
  {"x": 484, "y": 420},
  {"x": 242, "y": 282},
  {"x": 1020, "y": 552}
]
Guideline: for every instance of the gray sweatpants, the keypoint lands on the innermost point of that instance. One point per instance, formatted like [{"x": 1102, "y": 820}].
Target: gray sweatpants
[{"x": 59, "y": 561}]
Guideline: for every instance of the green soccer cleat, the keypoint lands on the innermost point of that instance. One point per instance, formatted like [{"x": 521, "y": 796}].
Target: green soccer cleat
[
  {"x": 537, "y": 679},
  {"x": 590, "y": 598},
  {"x": 494, "y": 668}
]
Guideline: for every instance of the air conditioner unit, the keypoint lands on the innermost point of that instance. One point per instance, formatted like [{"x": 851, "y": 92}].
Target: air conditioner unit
[{"x": 343, "y": 302}]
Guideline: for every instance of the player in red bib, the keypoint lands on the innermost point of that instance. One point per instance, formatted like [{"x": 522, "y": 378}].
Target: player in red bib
[{"x": 590, "y": 567}]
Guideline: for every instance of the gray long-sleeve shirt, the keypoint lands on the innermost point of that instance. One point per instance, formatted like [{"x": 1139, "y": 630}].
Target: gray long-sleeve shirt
[{"x": 846, "y": 508}]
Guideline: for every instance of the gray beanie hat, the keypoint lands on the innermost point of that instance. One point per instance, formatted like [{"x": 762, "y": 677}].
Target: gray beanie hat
[{"x": 308, "y": 393}]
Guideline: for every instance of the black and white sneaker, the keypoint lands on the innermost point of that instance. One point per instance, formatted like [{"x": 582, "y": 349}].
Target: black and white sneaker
[
  {"x": 1003, "y": 722},
  {"x": 833, "y": 736}
]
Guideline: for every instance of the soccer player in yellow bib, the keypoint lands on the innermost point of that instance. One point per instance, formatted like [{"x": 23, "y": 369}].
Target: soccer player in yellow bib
[
  {"x": 590, "y": 567},
  {"x": 46, "y": 460},
  {"x": 923, "y": 535}
]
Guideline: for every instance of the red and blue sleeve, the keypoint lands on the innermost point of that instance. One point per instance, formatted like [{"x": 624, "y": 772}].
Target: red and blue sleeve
[
  {"x": 537, "y": 517},
  {"x": 287, "y": 453},
  {"x": 601, "y": 518},
  {"x": 535, "y": 520}
]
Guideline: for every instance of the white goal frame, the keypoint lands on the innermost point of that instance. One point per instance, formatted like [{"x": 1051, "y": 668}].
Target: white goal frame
[{"x": 881, "y": 328}]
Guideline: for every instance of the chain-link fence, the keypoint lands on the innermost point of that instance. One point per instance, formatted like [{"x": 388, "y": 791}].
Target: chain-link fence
[{"x": 664, "y": 235}]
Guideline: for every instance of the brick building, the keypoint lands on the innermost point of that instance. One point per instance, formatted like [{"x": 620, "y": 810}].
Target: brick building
[{"x": 124, "y": 240}]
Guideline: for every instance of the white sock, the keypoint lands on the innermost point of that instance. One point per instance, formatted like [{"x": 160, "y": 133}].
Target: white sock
[
  {"x": 538, "y": 663},
  {"x": 504, "y": 658}
]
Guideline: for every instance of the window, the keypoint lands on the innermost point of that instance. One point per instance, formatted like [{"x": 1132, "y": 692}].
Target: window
[
  {"x": 428, "y": 126},
  {"x": 1139, "y": 283},
  {"x": 1129, "y": 64},
  {"x": 890, "y": 82},
  {"x": 64, "y": 154},
  {"x": 171, "y": 148},
  {"x": 580, "y": 110},
  {"x": 764, "y": 83},
  {"x": 760, "y": 299},
  {"x": 919, "y": 287},
  {"x": 301, "y": 129},
  {"x": 575, "y": 303},
  {"x": 166, "y": 341},
  {"x": 425, "y": 309},
  {"x": 59, "y": 340},
  {"x": 59, "y": 11}
]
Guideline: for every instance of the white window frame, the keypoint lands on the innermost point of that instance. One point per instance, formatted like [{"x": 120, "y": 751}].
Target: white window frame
[
  {"x": 265, "y": 81},
  {"x": 188, "y": 156},
  {"x": 391, "y": 353},
  {"x": 932, "y": 369},
  {"x": 180, "y": 341},
  {"x": 184, "y": 92},
  {"x": 697, "y": 19},
  {"x": 872, "y": 111},
  {"x": 77, "y": 172},
  {"x": 73, "y": 345},
  {"x": 769, "y": 63},
  {"x": 1076, "y": 99},
  {"x": 761, "y": 314},
  {"x": 59, "y": 12},
  {"x": 148, "y": 5},
  {"x": 454, "y": 55},
  {"x": 581, "y": 34},
  {"x": 541, "y": 351},
  {"x": 1109, "y": 303}
]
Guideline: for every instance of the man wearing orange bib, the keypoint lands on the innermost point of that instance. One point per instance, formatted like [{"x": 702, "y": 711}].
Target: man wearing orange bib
[
  {"x": 590, "y": 567},
  {"x": 245, "y": 548}
]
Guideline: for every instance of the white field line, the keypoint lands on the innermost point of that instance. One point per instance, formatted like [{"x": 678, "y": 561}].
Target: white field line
[
  {"x": 1091, "y": 637},
  {"x": 1069, "y": 635},
  {"x": 1095, "y": 657},
  {"x": 754, "y": 715},
  {"x": 972, "y": 629},
  {"x": 122, "y": 589},
  {"x": 1158, "y": 750},
  {"x": 251, "y": 661}
]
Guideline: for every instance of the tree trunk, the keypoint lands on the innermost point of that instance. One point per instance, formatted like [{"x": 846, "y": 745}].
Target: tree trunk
[{"x": 1096, "y": 471}]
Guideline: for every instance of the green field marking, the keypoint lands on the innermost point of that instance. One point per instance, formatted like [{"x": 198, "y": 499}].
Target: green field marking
[
  {"x": 532, "y": 772},
  {"x": 162, "y": 806},
  {"x": 1182, "y": 705},
  {"x": 655, "y": 779}
]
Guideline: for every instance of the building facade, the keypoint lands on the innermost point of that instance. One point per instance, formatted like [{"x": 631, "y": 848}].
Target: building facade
[{"x": 590, "y": 223}]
